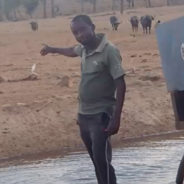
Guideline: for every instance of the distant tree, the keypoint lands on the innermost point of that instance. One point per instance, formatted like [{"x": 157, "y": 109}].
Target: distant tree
[
  {"x": 10, "y": 7},
  {"x": 44, "y": 2},
  {"x": 121, "y": 6},
  {"x": 94, "y": 5},
  {"x": 130, "y": 3},
  {"x": 113, "y": 4},
  {"x": 2, "y": 10},
  {"x": 82, "y": 5},
  {"x": 148, "y": 3},
  {"x": 52, "y": 8},
  {"x": 30, "y": 6},
  {"x": 93, "y": 2},
  {"x": 170, "y": 2}
]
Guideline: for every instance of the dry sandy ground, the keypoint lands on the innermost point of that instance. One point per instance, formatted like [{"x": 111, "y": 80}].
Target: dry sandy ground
[{"x": 40, "y": 115}]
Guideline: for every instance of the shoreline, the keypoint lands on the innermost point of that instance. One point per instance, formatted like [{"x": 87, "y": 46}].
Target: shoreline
[{"x": 126, "y": 142}]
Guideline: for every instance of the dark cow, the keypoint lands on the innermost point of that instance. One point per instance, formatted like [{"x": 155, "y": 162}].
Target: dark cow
[
  {"x": 146, "y": 22},
  {"x": 114, "y": 22},
  {"x": 135, "y": 23},
  {"x": 34, "y": 25}
]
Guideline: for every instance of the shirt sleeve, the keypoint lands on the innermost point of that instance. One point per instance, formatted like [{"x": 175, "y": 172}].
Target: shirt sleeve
[
  {"x": 114, "y": 61},
  {"x": 78, "y": 50}
]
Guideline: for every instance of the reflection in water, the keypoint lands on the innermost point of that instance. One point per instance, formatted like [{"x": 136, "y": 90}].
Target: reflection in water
[{"x": 146, "y": 163}]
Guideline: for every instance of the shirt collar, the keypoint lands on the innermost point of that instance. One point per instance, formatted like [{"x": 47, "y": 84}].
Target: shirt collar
[{"x": 102, "y": 44}]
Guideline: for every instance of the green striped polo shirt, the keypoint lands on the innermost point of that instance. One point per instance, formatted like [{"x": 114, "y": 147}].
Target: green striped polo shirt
[{"x": 99, "y": 69}]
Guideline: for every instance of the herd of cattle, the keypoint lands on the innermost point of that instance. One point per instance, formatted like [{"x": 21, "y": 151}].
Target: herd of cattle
[{"x": 145, "y": 21}]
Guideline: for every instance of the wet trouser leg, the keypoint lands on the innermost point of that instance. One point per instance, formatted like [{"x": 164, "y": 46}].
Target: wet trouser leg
[
  {"x": 180, "y": 173},
  {"x": 98, "y": 145}
]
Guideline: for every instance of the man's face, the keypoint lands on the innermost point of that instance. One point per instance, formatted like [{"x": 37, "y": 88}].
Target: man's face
[{"x": 83, "y": 32}]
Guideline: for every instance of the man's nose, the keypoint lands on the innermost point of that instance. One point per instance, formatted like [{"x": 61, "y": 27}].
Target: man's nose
[{"x": 79, "y": 35}]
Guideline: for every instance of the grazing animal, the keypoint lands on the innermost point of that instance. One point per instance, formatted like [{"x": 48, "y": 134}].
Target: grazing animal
[
  {"x": 34, "y": 25},
  {"x": 135, "y": 23},
  {"x": 114, "y": 22},
  {"x": 146, "y": 22}
]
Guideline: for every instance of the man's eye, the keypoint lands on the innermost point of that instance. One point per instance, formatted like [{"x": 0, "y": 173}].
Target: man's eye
[{"x": 82, "y": 29}]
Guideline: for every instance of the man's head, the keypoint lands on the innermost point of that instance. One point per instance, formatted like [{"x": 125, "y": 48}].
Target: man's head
[{"x": 83, "y": 29}]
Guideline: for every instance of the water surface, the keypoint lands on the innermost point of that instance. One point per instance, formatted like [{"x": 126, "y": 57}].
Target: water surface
[{"x": 153, "y": 162}]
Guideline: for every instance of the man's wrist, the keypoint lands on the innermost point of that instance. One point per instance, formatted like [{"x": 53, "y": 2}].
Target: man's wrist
[{"x": 52, "y": 50}]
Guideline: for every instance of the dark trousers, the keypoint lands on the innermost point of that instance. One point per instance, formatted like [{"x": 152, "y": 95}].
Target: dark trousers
[
  {"x": 180, "y": 173},
  {"x": 98, "y": 146}
]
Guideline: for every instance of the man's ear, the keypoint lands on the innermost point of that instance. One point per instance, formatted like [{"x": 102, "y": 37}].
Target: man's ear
[{"x": 93, "y": 27}]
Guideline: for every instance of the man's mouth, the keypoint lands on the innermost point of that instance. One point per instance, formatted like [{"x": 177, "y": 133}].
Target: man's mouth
[{"x": 83, "y": 41}]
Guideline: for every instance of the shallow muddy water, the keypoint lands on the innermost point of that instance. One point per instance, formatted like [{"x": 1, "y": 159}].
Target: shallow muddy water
[{"x": 152, "y": 162}]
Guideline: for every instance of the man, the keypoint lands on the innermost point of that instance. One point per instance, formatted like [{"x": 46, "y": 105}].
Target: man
[{"x": 101, "y": 93}]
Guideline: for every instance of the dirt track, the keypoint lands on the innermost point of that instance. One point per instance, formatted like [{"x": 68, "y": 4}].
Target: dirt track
[{"x": 39, "y": 115}]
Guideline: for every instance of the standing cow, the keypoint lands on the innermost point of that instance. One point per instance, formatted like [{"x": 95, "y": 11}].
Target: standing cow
[
  {"x": 146, "y": 22},
  {"x": 34, "y": 25},
  {"x": 114, "y": 22},
  {"x": 135, "y": 23}
]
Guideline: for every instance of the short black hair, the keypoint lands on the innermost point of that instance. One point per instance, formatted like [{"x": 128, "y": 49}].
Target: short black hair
[{"x": 84, "y": 18}]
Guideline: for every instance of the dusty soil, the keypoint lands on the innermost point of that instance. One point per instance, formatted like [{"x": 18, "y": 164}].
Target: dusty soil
[{"x": 38, "y": 113}]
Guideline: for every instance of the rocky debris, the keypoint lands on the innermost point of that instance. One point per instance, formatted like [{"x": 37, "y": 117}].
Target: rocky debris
[
  {"x": 147, "y": 53},
  {"x": 144, "y": 61},
  {"x": 130, "y": 71},
  {"x": 30, "y": 77},
  {"x": 150, "y": 77},
  {"x": 65, "y": 82},
  {"x": 21, "y": 104},
  {"x": 156, "y": 54},
  {"x": 2, "y": 79},
  {"x": 133, "y": 55},
  {"x": 76, "y": 74},
  {"x": 13, "y": 107}
]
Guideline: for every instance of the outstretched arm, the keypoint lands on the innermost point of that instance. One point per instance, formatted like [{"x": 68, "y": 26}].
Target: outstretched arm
[
  {"x": 114, "y": 123},
  {"x": 63, "y": 51}
]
